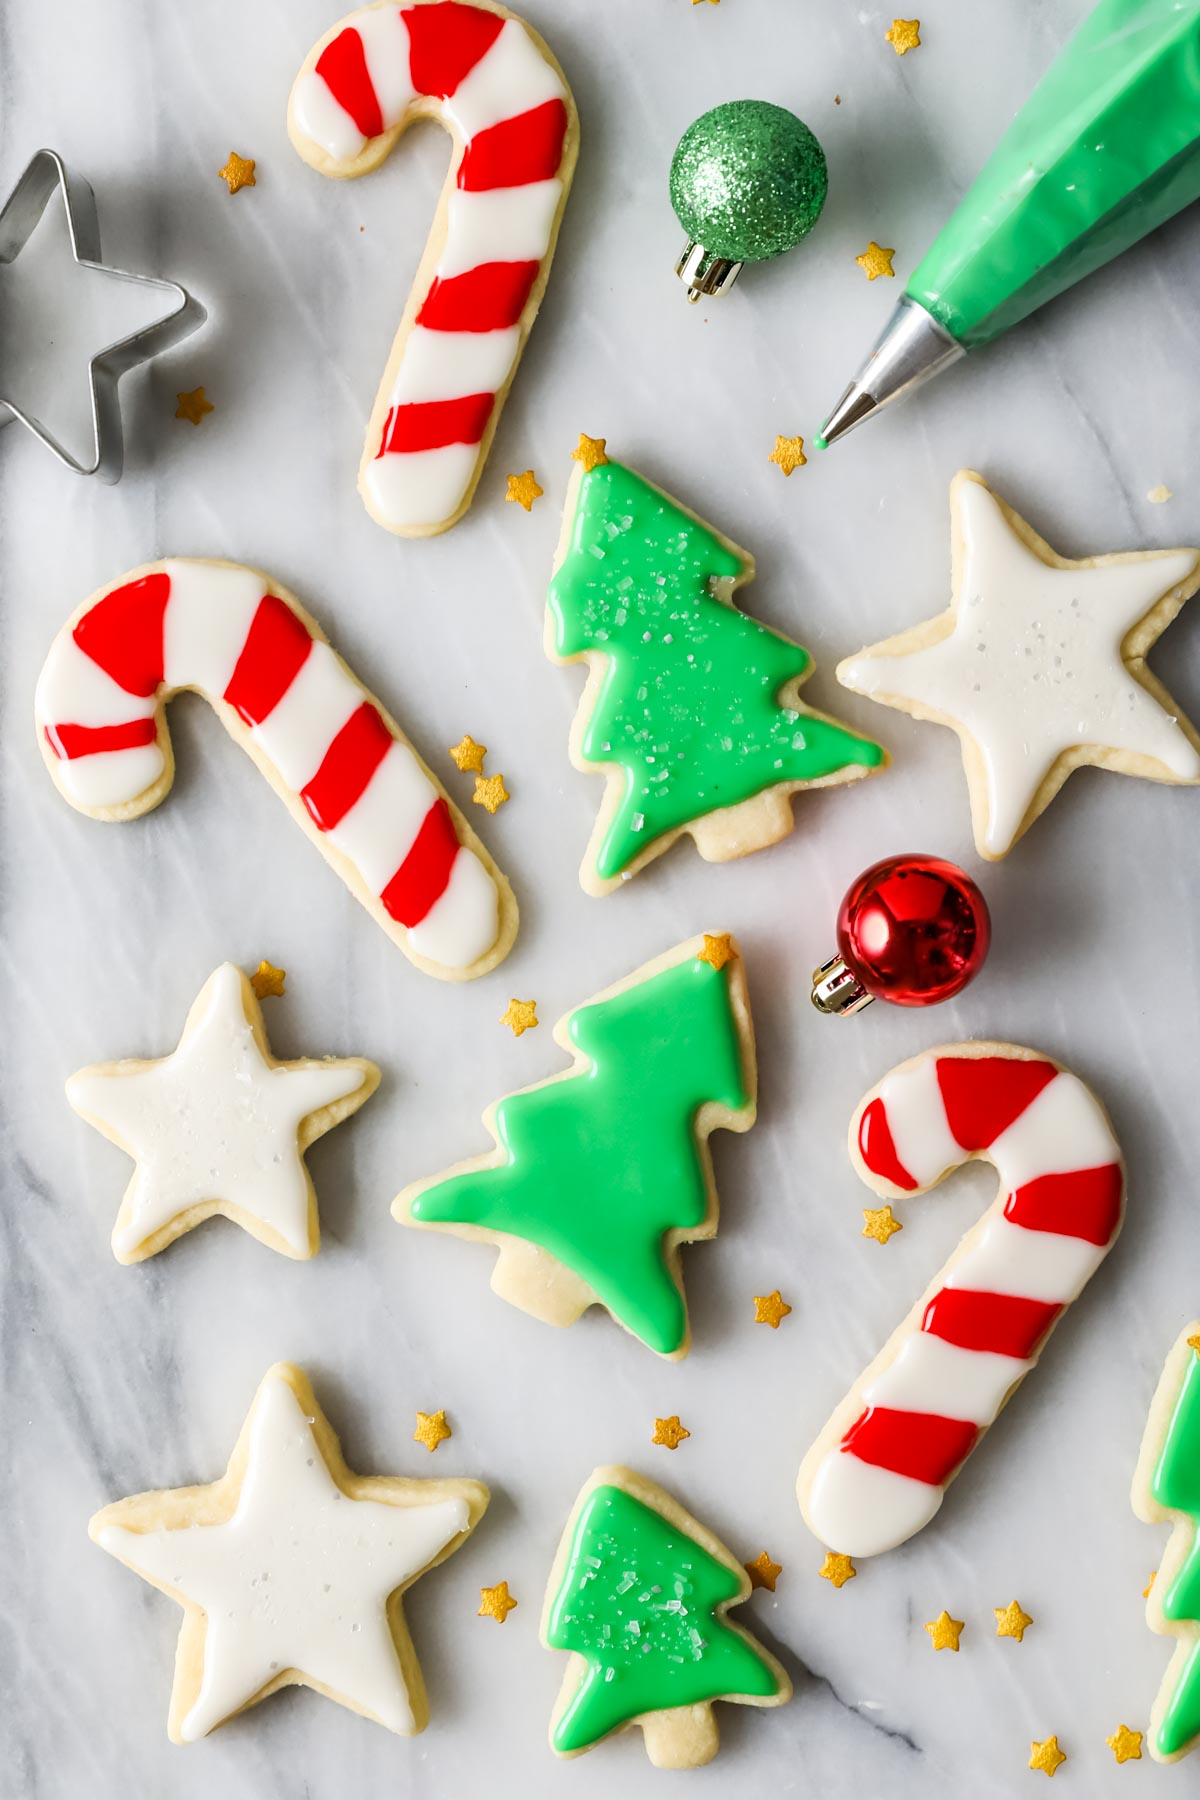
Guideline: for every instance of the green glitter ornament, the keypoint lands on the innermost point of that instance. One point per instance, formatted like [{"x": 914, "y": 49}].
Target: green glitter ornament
[{"x": 748, "y": 181}]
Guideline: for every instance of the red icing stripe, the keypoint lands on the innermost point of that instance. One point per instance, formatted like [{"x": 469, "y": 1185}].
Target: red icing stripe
[
  {"x": 71, "y": 741},
  {"x": 342, "y": 65},
  {"x": 1084, "y": 1204},
  {"x": 272, "y": 656},
  {"x": 1003, "y": 1324},
  {"x": 924, "y": 1446},
  {"x": 878, "y": 1149},
  {"x": 489, "y": 297},
  {"x": 447, "y": 40},
  {"x": 123, "y": 633},
  {"x": 516, "y": 151},
  {"x": 346, "y": 768},
  {"x": 430, "y": 424},
  {"x": 422, "y": 876},
  {"x": 984, "y": 1094}
]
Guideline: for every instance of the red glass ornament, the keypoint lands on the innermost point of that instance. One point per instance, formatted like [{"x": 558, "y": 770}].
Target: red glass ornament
[{"x": 912, "y": 929}]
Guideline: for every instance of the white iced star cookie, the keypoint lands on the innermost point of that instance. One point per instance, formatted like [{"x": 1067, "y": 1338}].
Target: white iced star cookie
[
  {"x": 1039, "y": 665},
  {"x": 219, "y": 1126},
  {"x": 290, "y": 1569}
]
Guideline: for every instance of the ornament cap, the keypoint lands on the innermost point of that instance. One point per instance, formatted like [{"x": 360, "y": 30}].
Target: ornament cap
[
  {"x": 837, "y": 991},
  {"x": 704, "y": 273}
]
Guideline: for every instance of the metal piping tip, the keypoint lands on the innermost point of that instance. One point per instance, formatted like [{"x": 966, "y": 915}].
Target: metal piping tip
[{"x": 912, "y": 347}]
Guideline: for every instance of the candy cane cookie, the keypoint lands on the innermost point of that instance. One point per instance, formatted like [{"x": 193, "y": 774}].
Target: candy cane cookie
[
  {"x": 343, "y": 767},
  {"x": 878, "y": 1471},
  {"x": 498, "y": 90}
]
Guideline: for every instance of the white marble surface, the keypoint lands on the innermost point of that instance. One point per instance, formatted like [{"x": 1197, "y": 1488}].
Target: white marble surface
[{"x": 117, "y": 1379}]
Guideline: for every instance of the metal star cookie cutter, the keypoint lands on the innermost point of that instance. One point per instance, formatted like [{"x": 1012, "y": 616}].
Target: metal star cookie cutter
[{"x": 20, "y": 213}]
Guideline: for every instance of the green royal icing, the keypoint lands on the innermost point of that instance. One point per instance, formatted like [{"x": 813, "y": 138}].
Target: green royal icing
[
  {"x": 638, "y": 1601},
  {"x": 1176, "y": 1484},
  {"x": 599, "y": 1165},
  {"x": 687, "y": 705}
]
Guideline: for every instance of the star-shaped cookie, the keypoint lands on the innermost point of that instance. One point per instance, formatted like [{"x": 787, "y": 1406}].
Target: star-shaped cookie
[
  {"x": 219, "y": 1126},
  {"x": 1039, "y": 665},
  {"x": 290, "y": 1568}
]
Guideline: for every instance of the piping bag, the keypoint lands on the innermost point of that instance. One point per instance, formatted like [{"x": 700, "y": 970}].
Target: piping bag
[{"x": 1106, "y": 149}]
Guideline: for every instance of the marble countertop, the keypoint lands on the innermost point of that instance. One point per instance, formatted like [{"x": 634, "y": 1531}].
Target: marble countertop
[{"x": 118, "y": 1379}]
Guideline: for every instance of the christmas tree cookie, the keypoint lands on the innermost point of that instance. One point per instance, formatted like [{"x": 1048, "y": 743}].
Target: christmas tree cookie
[
  {"x": 1166, "y": 1486},
  {"x": 601, "y": 1172},
  {"x": 639, "y": 1595},
  {"x": 691, "y": 708}
]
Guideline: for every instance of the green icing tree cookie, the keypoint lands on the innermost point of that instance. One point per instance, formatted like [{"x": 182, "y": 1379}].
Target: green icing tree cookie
[
  {"x": 1167, "y": 1486},
  {"x": 599, "y": 1174},
  {"x": 638, "y": 1594},
  {"x": 691, "y": 708}
]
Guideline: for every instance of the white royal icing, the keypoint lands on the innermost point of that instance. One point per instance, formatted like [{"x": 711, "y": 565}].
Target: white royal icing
[
  {"x": 411, "y": 488},
  {"x": 916, "y": 1119},
  {"x": 297, "y": 1579},
  {"x": 930, "y": 1374},
  {"x": 213, "y": 1121},
  {"x": 511, "y": 78},
  {"x": 1032, "y": 666},
  {"x": 865, "y": 1510}
]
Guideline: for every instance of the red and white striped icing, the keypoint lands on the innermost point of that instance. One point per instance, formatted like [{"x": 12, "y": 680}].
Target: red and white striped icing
[
  {"x": 922, "y": 1406},
  {"x": 359, "y": 789},
  {"x": 485, "y": 77}
]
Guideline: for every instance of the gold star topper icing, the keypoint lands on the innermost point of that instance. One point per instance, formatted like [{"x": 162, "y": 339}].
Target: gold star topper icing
[
  {"x": 1046, "y": 1756},
  {"x": 491, "y": 792},
  {"x": 1012, "y": 1622},
  {"x": 717, "y": 950},
  {"x": 524, "y": 490},
  {"x": 1125, "y": 1745},
  {"x": 763, "y": 1572},
  {"x": 193, "y": 406},
  {"x": 432, "y": 1430},
  {"x": 876, "y": 261},
  {"x": 519, "y": 1016},
  {"x": 769, "y": 1309},
  {"x": 788, "y": 454},
  {"x": 905, "y": 35},
  {"x": 1193, "y": 1343},
  {"x": 838, "y": 1569},
  {"x": 468, "y": 755},
  {"x": 944, "y": 1632},
  {"x": 267, "y": 981},
  {"x": 262, "y": 1610},
  {"x": 590, "y": 452},
  {"x": 1149, "y": 1585},
  {"x": 670, "y": 1432},
  {"x": 496, "y": 1603},
  {"x": 238, "y": 172},
  {"x": 880, "y": 1223}
]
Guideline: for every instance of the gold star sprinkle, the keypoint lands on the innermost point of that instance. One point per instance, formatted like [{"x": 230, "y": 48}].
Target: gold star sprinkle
[
  {"x": 788, "y": 454},
  {"x": 944, "y": 1632},
  {"x": 763, "y": 1572},
  {"x": 193, "y": 406},
  {"x": 904, "y": 36},
  {"x": 468, "y": 755},
  {"x": 838, "y": 1569},
  {"x": 238, "y": 172},
  {"x": 524, "y": 489},
  {"x": 490, "y": 791},
  {"x": 520, "y": 1015},
  {"x": 590, "y": 451},
  {"x": 769, "y": 1309},
  {"x": 1149, "y": 1585},
  {"x": 875, "y": 261},
  {"x": 710, "y": 2},
  {"x": 1047, "y": 1756},
  {"x": 1194, "y": 1343},
  {"x": 496, "y": 1603},
  {"x": 670, "y": 1432},
  {"x": 1125, "y": 1745},
  {"x": 717, "y": 950},
  {"x": 267, "y": 981},
  {"x": 880, "y": 1223},
  {"x": 1012, "y": 1622},
  {"x": 432, "y": 1430}
]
